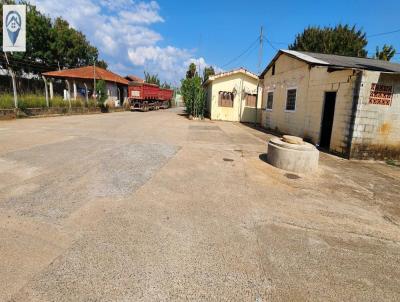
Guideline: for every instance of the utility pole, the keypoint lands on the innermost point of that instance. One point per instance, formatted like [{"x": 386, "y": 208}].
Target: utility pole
[
  {"x": 13, "y": 81},
  {"x": 260, "y": 54},
  {"x": 260, "y": 59}
]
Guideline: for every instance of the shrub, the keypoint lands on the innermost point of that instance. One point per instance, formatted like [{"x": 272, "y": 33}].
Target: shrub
[
  {"x": 6, "y": 101},
  {"x": 193, "y": 96}
]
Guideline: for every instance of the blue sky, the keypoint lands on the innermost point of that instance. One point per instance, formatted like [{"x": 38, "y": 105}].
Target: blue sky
[{"x": 165, "y": 36}]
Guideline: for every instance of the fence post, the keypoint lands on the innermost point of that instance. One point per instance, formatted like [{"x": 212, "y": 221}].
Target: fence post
[
  {"x": 46, "y": 92},
  {"x": 13, "y": 81}
]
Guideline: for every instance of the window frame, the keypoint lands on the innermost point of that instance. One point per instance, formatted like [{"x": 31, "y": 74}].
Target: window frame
[
  {"x": 255, "y": 100},
  {"x": 295, "y": 100},
  {"x": 220, "y": 93},
  {"x": 266, "y": 103}
]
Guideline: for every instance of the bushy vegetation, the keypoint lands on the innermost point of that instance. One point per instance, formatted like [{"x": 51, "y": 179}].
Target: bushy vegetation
[
  {"x": 49, "y": 44},
  {"x": 193, "y": 94},
  {"x": 342, "y": 40},
  {"x": 36, "y": 101}
]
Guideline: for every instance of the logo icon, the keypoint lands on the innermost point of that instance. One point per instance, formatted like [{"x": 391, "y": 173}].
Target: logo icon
[{"x": 13, "y": 25}]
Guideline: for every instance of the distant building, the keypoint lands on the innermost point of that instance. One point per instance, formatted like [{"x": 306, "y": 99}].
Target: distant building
[
  {"x": 79, "y": 83},
  {"x": 350, "y": 106},
  {"x": 232, "y": 96}
]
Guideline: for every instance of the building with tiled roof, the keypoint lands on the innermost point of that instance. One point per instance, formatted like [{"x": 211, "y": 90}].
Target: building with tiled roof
[{"x": 81, "y": 80}]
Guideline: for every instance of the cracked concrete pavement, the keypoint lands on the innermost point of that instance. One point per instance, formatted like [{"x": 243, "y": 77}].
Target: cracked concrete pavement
[{"x": 151, "y": 206}]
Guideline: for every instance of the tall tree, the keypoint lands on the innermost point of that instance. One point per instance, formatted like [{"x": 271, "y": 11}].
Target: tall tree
[
  {"x": 70, "y": 47},
  {"x": 386, "y": 53},
  {"x": 340, "y": 40},
  {"x": 50, "y": 44},
  {"x": 208, "y": 71},
  {"x": 102, "y": 64},
  {"x": 191, "y": 73}
]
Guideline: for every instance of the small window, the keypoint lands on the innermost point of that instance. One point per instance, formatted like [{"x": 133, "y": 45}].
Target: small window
[
  {"x": 273, "y": 69},
  {"x": 291, "y": 100},
  {"x": 251, "y": 100},
  {"x": 225, "y": 99},
  {"x": 270, "y": 100}
]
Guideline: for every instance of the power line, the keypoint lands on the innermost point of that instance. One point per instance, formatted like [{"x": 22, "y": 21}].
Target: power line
[
  {"x": 384, "y": 33},
  {"x": 243, "y": 53},
  {"x": 270, "y": 43}
]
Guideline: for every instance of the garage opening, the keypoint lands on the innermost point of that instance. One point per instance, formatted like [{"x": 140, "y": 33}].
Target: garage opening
[{"x": 327, "y": 120}]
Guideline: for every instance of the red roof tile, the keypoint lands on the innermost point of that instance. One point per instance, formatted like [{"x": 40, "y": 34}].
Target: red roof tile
[{"x": 87, "y": 73}]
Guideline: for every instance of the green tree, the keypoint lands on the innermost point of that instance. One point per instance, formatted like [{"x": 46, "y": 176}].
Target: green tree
[
  {"x": 102, "y": 64},
  {"x": 191, "y": 73},
  {"x": 70, "y": 47},
  {"x": 386, "y": 53},
  {"x": 151, "y": 78},
  {"x": 50, "y": 44},
  {"x": 340, "y": 40},
  {"x": 208, "y": 71},
  {"x": 193, "y": 96},
  {"x": 101, "y": 92}
]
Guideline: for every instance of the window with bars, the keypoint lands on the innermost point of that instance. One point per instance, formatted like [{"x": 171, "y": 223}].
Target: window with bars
[
  {"x": 291, "y": 100},
  {"x": 225, "y": 99},
  {"x": 251, "y": 100},
  {"x": 270, "y": 100}
]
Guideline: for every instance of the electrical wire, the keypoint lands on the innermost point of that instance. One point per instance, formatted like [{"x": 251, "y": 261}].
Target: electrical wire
[
  {"x": 243, "y": 53},
  {"x": 384, "y": 33}
]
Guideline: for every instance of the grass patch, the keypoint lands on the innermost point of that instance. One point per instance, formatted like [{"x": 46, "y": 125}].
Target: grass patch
[{"x": 38, "y": 101}]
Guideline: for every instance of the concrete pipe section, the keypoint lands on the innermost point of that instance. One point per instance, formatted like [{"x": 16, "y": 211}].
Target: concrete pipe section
[{"x": 291, "y": 153}]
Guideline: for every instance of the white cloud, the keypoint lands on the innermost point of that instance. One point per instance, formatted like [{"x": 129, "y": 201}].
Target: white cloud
[{"x": 121, "y": 31}]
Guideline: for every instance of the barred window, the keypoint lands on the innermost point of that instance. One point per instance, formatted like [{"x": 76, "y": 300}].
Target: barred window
[
  {"x": 291, "y": 100},
  {"x": 251, "y": 100},
  {"x": 225, "y": 99},
  {"x": 270, "y": 100}
]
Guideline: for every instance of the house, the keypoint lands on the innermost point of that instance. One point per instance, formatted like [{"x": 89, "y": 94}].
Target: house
[
  {"x": 81, "y": 80},
  {"x": 232, "y": 96},
  {"x": 347, "y": 105}
]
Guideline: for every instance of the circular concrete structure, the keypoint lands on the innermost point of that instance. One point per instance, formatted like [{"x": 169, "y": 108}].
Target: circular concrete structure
[{"x": 296, "y": 156}]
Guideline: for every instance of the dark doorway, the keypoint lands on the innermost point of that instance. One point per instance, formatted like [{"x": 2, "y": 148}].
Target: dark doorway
[{"x": 327, "y": 120}]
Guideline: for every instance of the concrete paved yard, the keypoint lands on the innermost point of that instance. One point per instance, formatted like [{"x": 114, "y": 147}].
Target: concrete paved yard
[{"x": 154, "y": 207}]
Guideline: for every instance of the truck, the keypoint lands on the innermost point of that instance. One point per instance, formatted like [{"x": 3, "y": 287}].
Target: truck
[{"x": 146, "y": 96}]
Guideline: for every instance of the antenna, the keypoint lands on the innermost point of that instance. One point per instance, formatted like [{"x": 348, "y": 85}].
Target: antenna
[{"x": 260, "y": 54}]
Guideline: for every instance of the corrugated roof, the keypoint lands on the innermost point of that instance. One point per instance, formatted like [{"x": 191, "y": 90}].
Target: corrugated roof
[
  {"x": 87, "y": 73},
  {"x": 337, "y": 61}
]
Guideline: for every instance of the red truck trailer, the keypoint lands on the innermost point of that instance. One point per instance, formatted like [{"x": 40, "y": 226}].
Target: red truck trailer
[{"x": 145, "y": 96}]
